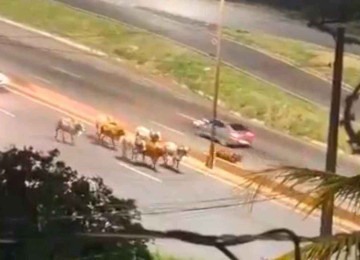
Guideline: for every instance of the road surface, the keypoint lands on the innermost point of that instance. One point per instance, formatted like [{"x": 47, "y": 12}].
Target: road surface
[
  {"x": 136, "y": 99},
  {"x": 197, "y": 36},
  {"x": 243, "y": 16},
  {"x": 166, "y": 199}
]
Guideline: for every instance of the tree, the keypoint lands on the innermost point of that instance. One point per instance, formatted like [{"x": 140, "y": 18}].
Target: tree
[
  {"x": 320, "y": 185},
  {"x": 44, "y": 204}
]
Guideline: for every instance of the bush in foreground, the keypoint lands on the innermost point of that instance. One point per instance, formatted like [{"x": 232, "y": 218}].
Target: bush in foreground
[{"x": 43, "y": 203}]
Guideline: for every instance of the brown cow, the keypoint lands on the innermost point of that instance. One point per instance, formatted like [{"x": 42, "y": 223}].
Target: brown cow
[
  {"x": 154, "y": 150},
  {"x": 102, "y": 120},
  {"x": 111, "y": 130}
]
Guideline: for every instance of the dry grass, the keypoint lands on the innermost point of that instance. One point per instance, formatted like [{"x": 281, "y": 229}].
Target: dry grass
[{"x": 304, "y": 55}]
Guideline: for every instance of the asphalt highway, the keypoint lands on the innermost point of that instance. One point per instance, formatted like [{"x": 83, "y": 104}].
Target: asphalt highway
[
  {"x": 245, "y": 16},
  {"x": 196, "y": 35},
  {"x": 139, "y": 101},
  {"x": 167, "y": 200}
]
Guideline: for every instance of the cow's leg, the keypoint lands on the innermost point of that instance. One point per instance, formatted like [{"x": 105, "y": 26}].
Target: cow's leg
[
  {"x": 56, "y": 133},
  {"x": 174, "y": 161},
  {"x": 113, "y": 143},
  {"x": 72, "y": 138},
  {"x": 177, "y": 163},
  {"x": 124, "y": 149},
  {"x": 133, "y": 154},
  {"x": 101, "y": 138},
  {"x": 154, "y": 161},
  {"x": 165, "y": 158},
  {"x": 143, "y": 157},
  {"x": 63, "y": 136}
]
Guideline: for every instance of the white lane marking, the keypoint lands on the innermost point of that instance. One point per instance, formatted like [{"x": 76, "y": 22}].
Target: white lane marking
[
  {"x": 168, "y": 128},
  {"x": 6, "y": 112},
  {"x": 42, "y": 79},
  {"x": 187, "y": 116},
  {"x": 66, "y": 72},
  {"x": 140, "y": 172}
]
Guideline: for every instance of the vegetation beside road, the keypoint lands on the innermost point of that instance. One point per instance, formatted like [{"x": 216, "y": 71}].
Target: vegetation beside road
[
  {"x": 250, "y": 97},
  {"x": 302, "y": 54}
]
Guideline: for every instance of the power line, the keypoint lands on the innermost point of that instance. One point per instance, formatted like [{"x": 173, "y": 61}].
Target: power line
[{"x": 219, "y": 242}]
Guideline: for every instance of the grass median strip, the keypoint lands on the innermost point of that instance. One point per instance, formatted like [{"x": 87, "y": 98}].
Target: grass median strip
[
  {"x": 250, "y": 97},
  {"x": 304, "y": 55}
]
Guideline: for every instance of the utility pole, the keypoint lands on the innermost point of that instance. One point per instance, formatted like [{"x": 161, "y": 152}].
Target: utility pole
[
  {"x": 332, "y": 143},
  {"x": 211, "y": 157}
]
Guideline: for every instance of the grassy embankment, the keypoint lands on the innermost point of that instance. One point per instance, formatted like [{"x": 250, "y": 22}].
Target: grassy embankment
[
  {"x": 302, "y": 54},
  {"x": 246, "y": 95}
]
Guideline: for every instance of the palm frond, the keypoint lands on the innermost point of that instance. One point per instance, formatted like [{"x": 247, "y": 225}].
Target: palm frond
[
  {"x": 340, "y": 246},
  {"x": 306, "y": 184}
]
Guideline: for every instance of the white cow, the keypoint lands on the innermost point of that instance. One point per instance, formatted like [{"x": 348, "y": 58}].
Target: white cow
[
  {"x": 175, "y": 152},
  {"x": 70, "y": 126},
  {"x": 147, "y": 134},
  {"x": 143, "y": 132},
  {"x": 136, "y": 144}
]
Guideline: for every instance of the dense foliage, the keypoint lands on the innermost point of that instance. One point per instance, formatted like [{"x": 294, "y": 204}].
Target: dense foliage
[{"x": 43, "y": 203}]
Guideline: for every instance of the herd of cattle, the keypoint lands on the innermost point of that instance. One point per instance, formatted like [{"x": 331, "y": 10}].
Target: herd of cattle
[{"x": 146, "y": 143}]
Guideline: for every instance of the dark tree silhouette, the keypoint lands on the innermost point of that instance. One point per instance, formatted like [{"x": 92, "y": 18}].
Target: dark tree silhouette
[{"x": 43, "y": 203}]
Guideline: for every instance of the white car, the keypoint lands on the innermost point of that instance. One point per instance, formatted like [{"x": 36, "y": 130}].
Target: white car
[
  {"x": 4, "y": 80},
  {"x": 227, "y": 134}
]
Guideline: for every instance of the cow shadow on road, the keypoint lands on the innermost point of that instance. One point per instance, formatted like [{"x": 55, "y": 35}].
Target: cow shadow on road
[
  {"x": 145, "y": 164},
  {"x": 4, "y": 90},
  {"x": 95, "y": 141},
  {"x": 138, "y": 163},
  {"x": 60, "y": 141},
  {"x": 170, "y": 168}
]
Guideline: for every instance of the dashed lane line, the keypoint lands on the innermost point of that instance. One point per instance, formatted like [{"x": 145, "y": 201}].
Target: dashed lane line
[
  {"x": 42, "y": 79},
  {"x": 167, "y": 128},
  {"x": 140, "y": 172},
  {"x": 5, "y": 112},
  {"x": 187, "y": 116},
  {"x": 66, "y": 72}
]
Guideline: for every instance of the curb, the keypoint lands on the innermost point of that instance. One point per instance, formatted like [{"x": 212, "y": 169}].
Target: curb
[{"x": 230, "y": 171}]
